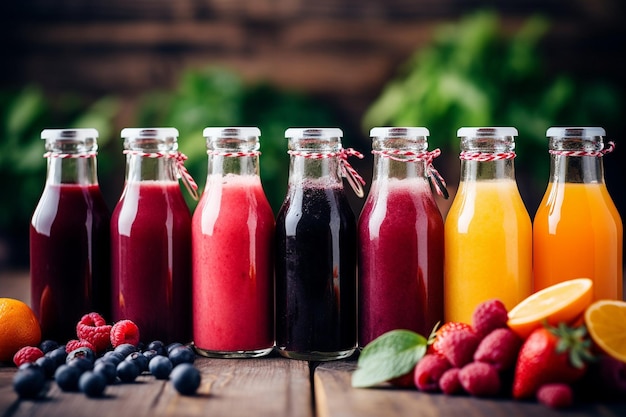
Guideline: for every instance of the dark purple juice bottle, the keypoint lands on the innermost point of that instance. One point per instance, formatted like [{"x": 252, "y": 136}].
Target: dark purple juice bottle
[
  {"x": 69, "y": 236},
  {"x": 315, "y": 253}
]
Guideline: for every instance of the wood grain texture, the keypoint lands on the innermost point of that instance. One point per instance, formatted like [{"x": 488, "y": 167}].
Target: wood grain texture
[
  {"x": 336, "y": 398},
  {"x": 260, "y": 387}
]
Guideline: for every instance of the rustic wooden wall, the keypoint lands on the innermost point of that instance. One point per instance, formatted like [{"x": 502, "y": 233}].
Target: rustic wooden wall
[{"x": 343, "y": 50}]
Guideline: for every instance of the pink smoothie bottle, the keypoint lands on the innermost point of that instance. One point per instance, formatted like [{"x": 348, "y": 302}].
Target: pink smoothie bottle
[
  {"x": 151, "y": 239},
  {"x": 400, "y": 238},
  {"x": 232, "y": 251},
  {"x": 69, "y": 236}
]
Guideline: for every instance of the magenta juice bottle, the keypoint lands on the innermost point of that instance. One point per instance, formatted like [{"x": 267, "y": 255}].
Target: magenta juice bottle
[
  {"x": 232, "y": 251},
  {"x": 69, "y": 236},
  {"x": 400, "y": 239},
  {"x": 151, "y": 240},
  {"x": 315, "y": 253}
]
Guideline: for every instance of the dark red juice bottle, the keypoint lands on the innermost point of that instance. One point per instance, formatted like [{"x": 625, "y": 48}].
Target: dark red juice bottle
[
  {"x": 400, "y": 239},
  {"x": 151, "y": 240},
  {"x": 315, "y": 253},
  {"x": 69, "y": 236}
]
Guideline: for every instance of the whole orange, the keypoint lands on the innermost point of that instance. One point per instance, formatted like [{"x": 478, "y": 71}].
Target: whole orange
[{"x": 18, "y": 328}]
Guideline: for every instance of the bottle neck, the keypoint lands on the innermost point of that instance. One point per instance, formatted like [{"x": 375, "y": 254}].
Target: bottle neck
[
  {"x": 487, "y": 158},
  {"x": 577, "y": 160},
  {"x": 320, "y": 167},
  {"x": 475, "y": 170},
  {"x": 141, "y": 167},
  {"x": 234, "y": 163},
  {"x": 77, "y": 169}
]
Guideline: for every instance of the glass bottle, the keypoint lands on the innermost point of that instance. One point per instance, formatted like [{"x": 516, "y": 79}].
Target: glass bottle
[
  {"x": 400, "y": 239},
  {"x": 69, "y": 236},
  {"x": 488, "y": 247},
  {"x": 315, "y": 253},
  {"x": 577, "y": 231},
  {"x": 151, "y": 239},
  {"x": 232, "y": 250}
]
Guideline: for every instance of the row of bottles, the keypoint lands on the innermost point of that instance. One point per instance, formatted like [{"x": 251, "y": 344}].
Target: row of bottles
[{"x": 243, "y": 282}]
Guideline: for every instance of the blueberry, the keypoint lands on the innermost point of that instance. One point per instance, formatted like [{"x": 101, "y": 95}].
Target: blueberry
[
  {"x": 28, "y": 382},
  {"x": 139, "y": 360},
  {"x": 160, "y": 367},
  {"x": 113, "y": 357},
  {"x": 172, "y": 346},
  {"x": 81, "y": 363},
  {"x": 81, "y": 352},
  {"x": 182, "y": 354},
  {"x": 186, "y": 379},
  {"x": 92, "y": 384},
  {"x": 127, "y": 371},
  {"x": 48, "y": 346},
  {"x": 107, "y": 369},
  {"x": 150, "y": 354},
  {"x": 66, "y": 377},
  {"x": 125, "y": 349},
  {"x": 48, "y": 365},
  {"x": 58, "y": 355},
  {"x": 159, "y": 347}
]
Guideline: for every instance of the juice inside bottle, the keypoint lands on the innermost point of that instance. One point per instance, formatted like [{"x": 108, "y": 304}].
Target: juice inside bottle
[
  {"x": 69, "y": 237},
  {"x": 400, "y": 248},
  {"x": 151, "y": 246},
  {"x": 577, "y": 231},
  {"x": 488, "y": 236},
  {"x": 233, "y": 274}
]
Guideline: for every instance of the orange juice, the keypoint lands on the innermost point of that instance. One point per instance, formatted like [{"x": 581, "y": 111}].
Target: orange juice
[
  {"x": 488, "y": 248},
  {"x": 577, "y": 233}
]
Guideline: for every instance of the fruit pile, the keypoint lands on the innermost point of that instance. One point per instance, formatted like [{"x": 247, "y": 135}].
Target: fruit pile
[
  {"x": 540, "y": 349},
  {"x": 102, "y": 355}
]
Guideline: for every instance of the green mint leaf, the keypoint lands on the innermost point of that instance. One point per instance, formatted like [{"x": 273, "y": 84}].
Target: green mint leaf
[{"x": 391, "y": 355}]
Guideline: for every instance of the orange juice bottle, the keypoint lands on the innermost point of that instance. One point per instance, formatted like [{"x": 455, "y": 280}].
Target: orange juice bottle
[
  {"x": 488, "y": 233},
  {"x": 577, "y": 231}
]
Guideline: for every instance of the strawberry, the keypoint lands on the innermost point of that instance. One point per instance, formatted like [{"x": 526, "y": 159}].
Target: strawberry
[
  {"x": 551, "y": 355},
  {"x": 444, "y": 331}
]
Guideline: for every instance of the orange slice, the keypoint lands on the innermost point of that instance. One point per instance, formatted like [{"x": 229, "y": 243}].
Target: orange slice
[
  {"x": 606, "y": 323},
  {"x": 562, "y": 302}
]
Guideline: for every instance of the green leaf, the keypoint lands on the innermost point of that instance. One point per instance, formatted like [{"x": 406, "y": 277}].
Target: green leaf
[{"x": 391, "y": 355}]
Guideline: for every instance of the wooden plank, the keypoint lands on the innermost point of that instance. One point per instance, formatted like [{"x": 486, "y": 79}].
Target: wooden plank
[
  {"x": 235, "y": 387},
  {"x": 334, "y": 397}
]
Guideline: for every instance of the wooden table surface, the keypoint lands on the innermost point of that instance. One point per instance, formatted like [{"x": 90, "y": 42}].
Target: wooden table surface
[{"x": 270, "y": 386}]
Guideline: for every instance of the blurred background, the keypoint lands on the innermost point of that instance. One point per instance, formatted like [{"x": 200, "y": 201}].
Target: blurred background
[{"x": 275, "y": 64}]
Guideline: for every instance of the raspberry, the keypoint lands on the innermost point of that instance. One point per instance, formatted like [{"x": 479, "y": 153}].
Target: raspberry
[
  {"x": 499, "y": 349},
  {"x": 428, "y": 372},
  {"x": 27, "y": 354},
  {"x": 124, "y": 331},
  {"x": 555, "y": 395},
  {"x": 459, "y": 347},
  {"x": 93, "y": 328},
  {"x": 449, "y": 382},
  {"x": 74, "y": 344},
  {"x": 488, "y": 316},
  {"x": 480, "y": 379},
  {"x": 443, "y": 332}
]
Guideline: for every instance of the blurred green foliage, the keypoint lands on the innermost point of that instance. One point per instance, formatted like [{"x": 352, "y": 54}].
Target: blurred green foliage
[
  {"x": 215, "y": 97},
  {"x": 476, "y": 74},
  {"x": 24, "y": 113}
]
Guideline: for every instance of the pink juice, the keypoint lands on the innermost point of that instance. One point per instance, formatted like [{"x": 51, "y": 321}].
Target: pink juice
[
  {"x": 151, "y": 260},
  {"x": 233, "y": 285},
  {"x": 69, "y": 251},
  {"x": 400, "y": 259}
]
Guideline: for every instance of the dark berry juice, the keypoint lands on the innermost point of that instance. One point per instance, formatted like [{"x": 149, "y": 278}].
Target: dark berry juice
[
  {"x": 316, "y": 274},
  {"x": 69, "y": 258},
  {"x": 151, "y": 260}
]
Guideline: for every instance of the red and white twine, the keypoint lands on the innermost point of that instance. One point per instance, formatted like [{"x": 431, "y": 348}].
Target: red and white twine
[
  {"x": 603, "y": 152},
  {"x": 70, "y": 155},
  {"x": 347, "y": 171},
  {"x": 426, "y": 156},
  {"x": 486, "y": 156},
  {"x": 182, "y": 172},
  {"x": 238, "y": 154}
]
